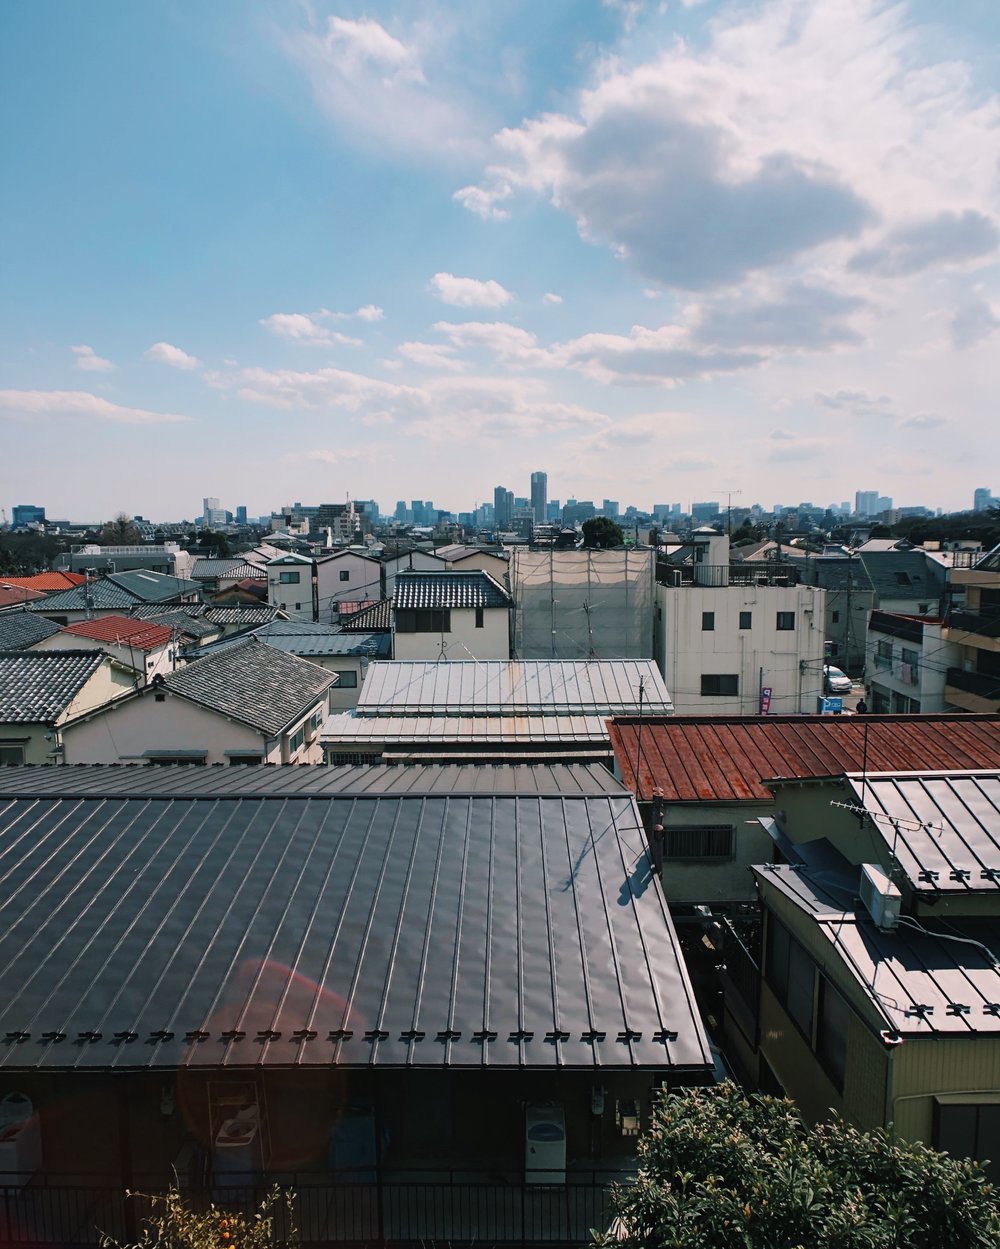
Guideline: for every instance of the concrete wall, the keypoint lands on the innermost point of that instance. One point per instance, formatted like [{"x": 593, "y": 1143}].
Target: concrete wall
[
  {"x": 717, "y": 880},
  {"x": 463, "y": 641}
]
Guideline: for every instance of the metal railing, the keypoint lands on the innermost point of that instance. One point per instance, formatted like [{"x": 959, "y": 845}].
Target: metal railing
[
  {"x": 973, "y": 683},
  {"x": 968, "y": 622},
  {"x": 405, "y": 1208}
]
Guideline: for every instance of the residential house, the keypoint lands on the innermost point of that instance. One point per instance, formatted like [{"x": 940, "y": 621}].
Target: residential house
[
  {"x": 309, "y": 588},
  {"x": 423, "y": 984},
  {"x": 739, "y": 639},
  {"x": 905, "y": 578},
  {"x": 908, "y": 658},
  {"x": 497, "y": 711},
  {"x": 143, "y": 647},
  {"x": 47, "y": 582},
  {"x": 711, "y": 778},
  {"x": 247, "y": 704},
  {"x": 450, "y": 616},
  {"x": 205, "y": 621},
  {"x": 414, "y": 560},
  {"x": 215, "y": 576},
  {"x": 374, "y": 618},
  {"x": 40, "y": 691},
  {"x": 14, "y": 597},
  {"x": 114, "y": 594},
  {"x": 850, "y": 599},
  {"x": 459, "y": 557},
  {"x": 880, "y": 993},
  {"x": 583, "y": 604},
  {"x": 972, "y": 682}
]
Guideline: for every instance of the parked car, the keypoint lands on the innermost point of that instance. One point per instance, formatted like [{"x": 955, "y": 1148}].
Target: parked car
[{"x": 835, "y": 681}]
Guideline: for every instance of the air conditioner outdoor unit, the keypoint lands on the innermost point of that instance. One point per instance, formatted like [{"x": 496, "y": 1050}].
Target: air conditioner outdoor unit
[{"x": 880, "y": 897}]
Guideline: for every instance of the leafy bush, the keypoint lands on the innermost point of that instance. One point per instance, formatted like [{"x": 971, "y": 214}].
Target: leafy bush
[
  {"x": 719, "y": 1169},
  {"x": 174, "y": 1225}
]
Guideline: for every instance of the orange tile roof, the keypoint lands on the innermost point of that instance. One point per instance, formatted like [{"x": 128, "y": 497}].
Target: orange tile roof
[
  {"x": 727, "y": 758},
  {"x": 47, "y": 581},
  {"x": 140, "y": 634},
  {"x": 10, "y": 595}
]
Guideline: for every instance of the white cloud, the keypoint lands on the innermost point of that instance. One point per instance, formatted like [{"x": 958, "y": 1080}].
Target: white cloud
[
  {"x": 166, "y": 353},
  {"x": 89, "y": 361},
  {"x": 469, "y": 292},
  {"x": 947, "y": 239},
  {"x": 301, "y": 328},
  {"x": 25, "y": 403},
  {"x": 647, "y": 357},
  {"x": 370, "y": 312},
  {"x": 431, "y": 355},
  {"x": 483, "y": 200},
  {"x": 550, "y": 298},
  {"x": 508, "y": 343},
  {"x": 974, "y": 320}
]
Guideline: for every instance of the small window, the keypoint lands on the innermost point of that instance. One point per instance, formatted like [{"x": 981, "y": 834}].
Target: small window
[
  {"x": 422, "y": 620},
  {"x": 969, "y": 1130},
  {"x": 480, "y": 617},
  {"x": 11, "y": 755},
  {"x": 883, "y": 654},
  {"x": 720, "y": 683},
  {"x": 288, "y": 578},
  {"x": 296, "y": 740},
  {"x": 298, "y": 606},
  {"x": 347, "y": 680},
  {"x": 746, "y": 619},
  {"x": 790, "y": 973},
  {"x": 835, "y": 617},
  {"x": 707, "y": 621},
  {"x": 831, "y": 1032},
  {"x": 345, "y": 574},
  {"x": 699, "y": 841},
  {"x": 244, "y": 760},
  {"x": 785, "y": 621}
]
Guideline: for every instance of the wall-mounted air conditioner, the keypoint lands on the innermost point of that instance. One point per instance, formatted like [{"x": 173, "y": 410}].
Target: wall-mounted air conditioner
[{"x": 880, "y": 897}]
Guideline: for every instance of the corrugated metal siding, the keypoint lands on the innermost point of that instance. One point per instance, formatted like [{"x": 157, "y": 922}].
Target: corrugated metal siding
[
  {"x": 433, "y": 932},
  {"x": 694, "y": 759},
  {"x": 921, "y": 1071}
]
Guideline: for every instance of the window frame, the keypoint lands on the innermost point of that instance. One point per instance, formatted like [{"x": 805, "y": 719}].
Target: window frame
[
  {"x": 289, "y": 577},
  {"x": 784, "y": 622},
  {"x": 746, "y": 620},
  {"x": 721, "y": 680},
  {"x": 352, "y": 679},
  {"x": 680, "y": 843},
  {"x": 708, "y": 622}
]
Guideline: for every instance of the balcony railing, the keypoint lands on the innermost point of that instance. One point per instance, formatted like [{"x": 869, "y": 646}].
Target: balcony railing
[
  {"x": 974, "y": 683},
  {"x": 967, "y": 622},
  {"x": 406, "y": 1209},
  {"x": 745, "y": 573}
]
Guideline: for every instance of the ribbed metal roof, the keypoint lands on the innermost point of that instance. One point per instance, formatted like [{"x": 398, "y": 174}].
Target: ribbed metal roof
[
  {"x": 347, "y": 728},
  {"x": 726, "y": 758},
  {"x": 449, "y": 589},
  {"x": 306, "y": 780},
  {"x": 308, "y": 640},
  {"x": 36, "y": 687},
  {"x": 499, "y": 687},
  {"x": 942, "y": 827},
  {"x": 920, "y": 983},
  {"x": 403, "y": 931}
]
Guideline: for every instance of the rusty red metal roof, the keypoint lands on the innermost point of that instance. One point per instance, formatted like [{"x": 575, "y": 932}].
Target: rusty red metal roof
[{"x": 726, "y": 758}]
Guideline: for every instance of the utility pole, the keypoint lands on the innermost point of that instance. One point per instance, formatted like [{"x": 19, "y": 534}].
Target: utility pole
[{"x": 729, "y": 508}]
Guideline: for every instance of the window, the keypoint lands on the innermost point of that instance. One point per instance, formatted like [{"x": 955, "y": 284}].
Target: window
[
  {"x": 288, "y": 578},
  {"x": 244, "y": 760},
  {"x": 480, "y": 618},
  {"x": 883, "y": 654},
  {"x": 11, "y": 753},
  {"x": 969, "y": 1130},
  {"x": 694, "y": 841},
  {"x": 746, "y": 619},
  {"x": 716, "y": 683},
  {"x": 785, "y": 621},
  {"x": 347, "y": 680},
  {"x": 345, "y": 574},
  {"x": 910, "y": 670},
  {"x": 707, "y": 621},
  {"x": 296, "y": 740},
  {"x": 831, "y": 1032},
  {"x": 835, "y": 617},
  {"x": 422, "y": 620},
  {"x": 790, "y": 973}
]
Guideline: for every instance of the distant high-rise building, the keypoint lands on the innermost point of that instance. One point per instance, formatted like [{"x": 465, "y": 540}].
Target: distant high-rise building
[
  {"x": 866, "y": 502},
  {"x": 27, "y": 514},
  {"x": 241, "y": 514},
  {"x": 703, "y": 512},
  {"x": 982, "y": 500},
  {"x": 503, "y": 506},
  {"x": 539, "y": 496},
  {"x": 212, "y": 513},
  {"x": 610, "y": 508}
]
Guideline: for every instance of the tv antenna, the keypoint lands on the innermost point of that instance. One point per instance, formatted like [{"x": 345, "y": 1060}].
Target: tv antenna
[{"x": 729, "y": 508}]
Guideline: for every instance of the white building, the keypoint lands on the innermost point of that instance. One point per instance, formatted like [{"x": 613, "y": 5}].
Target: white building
[
  {"x": 139, "y": 645},
  {"x": 907, "y": 664},
  {"x": 728, "y": 648},
  {"x": 450, "y": 616},
  {"x": 345, "y": 576}
]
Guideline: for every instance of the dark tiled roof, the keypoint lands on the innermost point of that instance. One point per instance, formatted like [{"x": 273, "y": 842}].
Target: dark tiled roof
[
  {"x": 404, "y": 930},
  {"x": 904, "y": 574},
  {"x": 301, "y": 637},
  {"x": 153, "y": 587},
  {"x": 183, "y": 619},
  {"x": 36, "y": 687},
  {"x": 374, "y": 619},
  {"x": 101, "y": 595},
  {"x": 245, "y": 615},
  {"x": 728, "y": 758},
  {"x": 449, "y": 589},
  {"x": 227, "y": 569},
  {"x": 253, "y": 683},
  {"x": 20, "y": 629},
  {"x": 832, "y": 572}
]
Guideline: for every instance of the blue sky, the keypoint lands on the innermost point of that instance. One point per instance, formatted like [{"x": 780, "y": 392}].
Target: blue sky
[{"x": 292, "y": 250}]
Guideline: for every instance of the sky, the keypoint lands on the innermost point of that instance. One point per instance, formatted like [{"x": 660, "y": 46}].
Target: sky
[{"x": 665, "y": 251}]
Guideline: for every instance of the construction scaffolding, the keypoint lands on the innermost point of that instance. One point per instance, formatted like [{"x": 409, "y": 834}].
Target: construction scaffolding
[{"x": 583, "y": 604}]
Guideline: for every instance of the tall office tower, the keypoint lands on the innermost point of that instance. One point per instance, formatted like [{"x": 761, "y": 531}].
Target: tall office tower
[
  {"x": 402, "y": 512},
  {"x": 884, "y": 503},
  {"x": 982, "y": 500},
  {"x": 865, "y": 502},
  {"x": 539, "y": 496},
  {"x": 212, "y": 513},
  {"x": 241, "y": 514},
  {"x": 503, "y": 506}
]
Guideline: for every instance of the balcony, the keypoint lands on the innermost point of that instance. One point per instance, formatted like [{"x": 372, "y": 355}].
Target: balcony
[
  {"x": 980, "y": 631},
  {"x": 747, "y": 573},
  {"x": 972, "y": 691}
]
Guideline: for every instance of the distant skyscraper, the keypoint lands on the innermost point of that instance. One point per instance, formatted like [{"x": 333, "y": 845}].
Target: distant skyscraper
[
  {"x": 503, "y": 506},
  {"x": 981, "y": 500},
  {"x": 212, "y": 513},
  {"x": 241, "y": 514},
  {"x": 539, "y": 495},
  {"x": 27, "y": 514},
  {"x": 610, "y": 508},
  {"x": 866, "y": 502}
]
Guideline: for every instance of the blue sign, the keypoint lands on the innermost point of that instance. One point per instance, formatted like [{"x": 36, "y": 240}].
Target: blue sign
[{"x": 832, "y": 706}]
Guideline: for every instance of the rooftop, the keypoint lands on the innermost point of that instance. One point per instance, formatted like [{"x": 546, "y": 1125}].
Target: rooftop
[
  {"x": 713, "y": 758},
  {"x": 21, "y": 629},
  {"x": 36, "y": 687},
  {"x": 46, "y": 581},
  {"x": 377, "y": 618},
  {"x": 123, "y": 631},
  {"x": 15, "y": 595},
  {"x": 425, "y": 929},
  {"x": 598, "y": 687},
  {"x": 228, "y": 569},
  {"x": 449, "y": 590}
]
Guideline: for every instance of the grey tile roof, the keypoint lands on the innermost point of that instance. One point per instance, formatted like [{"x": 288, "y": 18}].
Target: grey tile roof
[
  {"x": 506, "y": 687},
  {"x": 192, "y": 624},
  {"x": 103, "y": 595},
  {"x": 36, "y": 687},
  {"x": 374, "y": 619},
  {"x": 904, "y": 574},
  {"x": 244, "y": 616},
  {"x": 21, "y": 629},
  {"x": 402, "y": 931},
  {"x": 299, "y": 637},
  {"x": 836, "y": 573},
  {"x": 253, "y": 683},
  {"x": 227, "y": 569},
  {"x": 449, "y": 589}
]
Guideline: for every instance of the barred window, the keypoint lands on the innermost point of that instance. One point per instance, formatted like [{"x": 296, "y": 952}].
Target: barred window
[
  {"x": 720, "y": 683},
  {"x": 698, "y": 841}
]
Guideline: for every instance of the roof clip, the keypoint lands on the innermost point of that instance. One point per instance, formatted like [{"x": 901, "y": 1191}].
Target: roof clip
[
  {"x": 627, "y": 1035},
  {"x": 663, "y": 1036},
  {"x": 958, "y": 1008},
  {"x": 233, "y": 1034},
  {"x": 521, "y": 1034},
  {"x": 161, "y": 1034},
  {"x": 196, "y": 1035},
  {"x": 341, "y": 1034},
  {"x": 593, "y": 1035},
  {"x": 268, "y": 1034},
  {"x": 302, "y": 1034},
  {"x": 411, "y": 1035},
  {"x": 376, "y": 1034},
  {"x": 54, "y": 1036},
  {"x": 484, "y": 1035},
  {"x": 15, "y": 1038},
  {"x": 88, "y": 1038},
  {"x": 449, "y": 1034},
  {"x": 557, "y": 1034},
  {"x": 126, "y": 1037}
]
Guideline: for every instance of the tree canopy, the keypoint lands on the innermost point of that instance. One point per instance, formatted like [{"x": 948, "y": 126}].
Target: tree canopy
[
  {"x": 122, "y": 531},
  {"x": 600, "y": 533},
  {"x": 723, "y": 1170}
]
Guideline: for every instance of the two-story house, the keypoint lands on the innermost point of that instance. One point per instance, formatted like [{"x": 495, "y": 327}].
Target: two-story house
[
  {"x": 450, "y": 616},
  {"x": 307, "y": 588}
]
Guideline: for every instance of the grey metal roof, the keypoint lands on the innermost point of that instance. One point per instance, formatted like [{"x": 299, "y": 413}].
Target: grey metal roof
[
  {"x": 228, "y": 569},
  {"x": 906, "y": 574},
  {"x": 942, "y": 827},
  {"x": 348, "y": 727},
  {"x": 920, "y": 983},
  {"x": 299, "y": 637},
  {"x": 193, "y": 624},
  {"x": 400, "y": 931},
  {"x": 449, "y": 590},
  {"x": 306, "y": 780},
  {"x": 36, "y": 687},
  {"x": 601, "y": 687},
  {"x": 21, "y": 629},
  {"x": 153, "y": 587},
  {"x": 253, "y": 683},
  {"x": 245, "y": 615}
]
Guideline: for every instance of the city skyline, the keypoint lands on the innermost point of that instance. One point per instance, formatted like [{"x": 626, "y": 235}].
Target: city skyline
[{"x": 672, "y": 252}]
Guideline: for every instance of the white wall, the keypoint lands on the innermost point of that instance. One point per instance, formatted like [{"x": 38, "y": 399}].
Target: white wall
[
  {"x": 888, "y": 677},
  {"x": 463, "y": 641},
  {"x": 363, "y": 582},
  {"x": 792, "y": 660},
  {"x": 148, "y": 663},
  {"x": 416, "y": 561}
]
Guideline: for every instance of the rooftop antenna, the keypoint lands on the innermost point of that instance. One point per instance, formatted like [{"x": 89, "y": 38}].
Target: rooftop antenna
[{"x": 729, "y": 508}]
